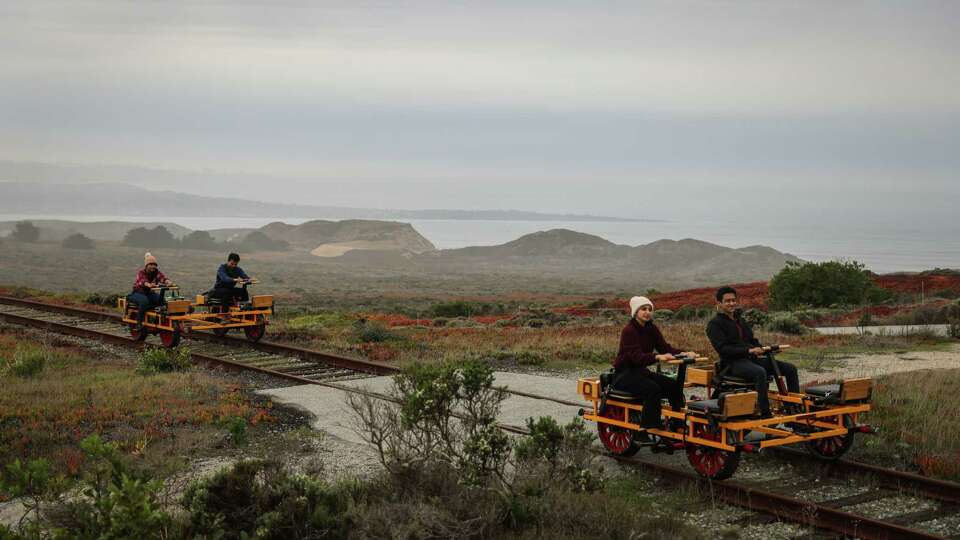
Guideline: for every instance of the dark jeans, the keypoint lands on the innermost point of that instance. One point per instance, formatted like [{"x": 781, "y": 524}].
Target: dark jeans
[
  {"x": 652, "y": 387},
  {"x": 228, "y": 295},
  {"x": 144, "y": 302},
  {"x": 758, "y": 370}
]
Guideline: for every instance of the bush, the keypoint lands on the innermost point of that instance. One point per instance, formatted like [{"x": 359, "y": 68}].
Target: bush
[
  {"x": 27, "y": 362},
  {"x": 756, "y": 318},
  {"x": 786, "y": 323},
  {"x": 236, "y": 426},
  {"x": 157, "y": 360},
  {"x": 260, "y": 499},
  {"x": 199, "y": 240},
  {"x": 690, "y": 313},
  {"x": 663, "y": 314},
  {"x": 157, "y": 237},
  {"x": 25, "y": 231},
  {"x": 367, "y": 332},
  {"x": 821, "y": 285},
  {"x": 451, "y": 310},
  {"x": 116, "y": 504},
  {"x": 77, "y": 241}
]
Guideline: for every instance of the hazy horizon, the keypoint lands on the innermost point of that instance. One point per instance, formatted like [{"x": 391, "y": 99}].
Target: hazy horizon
[{"x": 781, "y": 111}]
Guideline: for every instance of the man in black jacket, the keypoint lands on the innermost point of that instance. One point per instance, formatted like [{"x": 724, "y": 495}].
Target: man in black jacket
[{"x": 739, "y": 350}]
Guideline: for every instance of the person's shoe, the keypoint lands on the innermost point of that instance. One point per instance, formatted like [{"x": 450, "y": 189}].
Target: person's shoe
[{"x": 766, "y": 414}]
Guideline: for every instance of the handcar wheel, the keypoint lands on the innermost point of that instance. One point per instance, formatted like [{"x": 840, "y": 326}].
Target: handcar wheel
[
  {"x": 170, "y": 339},
  {"x": 220, "y": 332},
  {"x": 711, "y": 463},
  {"x": 617, "y": 440},
  {"x": 136, "y": 334},
  {"x": 255, "y": 332},
  {"x": 831, "y": 447}
]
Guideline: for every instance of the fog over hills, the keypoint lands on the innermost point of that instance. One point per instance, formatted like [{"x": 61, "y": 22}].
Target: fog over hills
[{"x": 121, "y": 199}]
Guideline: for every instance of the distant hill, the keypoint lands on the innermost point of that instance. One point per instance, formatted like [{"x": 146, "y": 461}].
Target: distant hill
[
  {"x": 53, "y": 230},
  {"x": 662, "y": 264},
  {"x": 334, "y": 238},
  {"x": 119, "y": 199}
]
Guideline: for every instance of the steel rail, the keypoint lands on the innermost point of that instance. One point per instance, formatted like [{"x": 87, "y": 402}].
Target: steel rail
[{"x": 795, "y": 510}]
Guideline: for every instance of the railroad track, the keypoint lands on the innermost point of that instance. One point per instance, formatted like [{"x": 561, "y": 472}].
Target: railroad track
[{"x": 932, "y": 500}]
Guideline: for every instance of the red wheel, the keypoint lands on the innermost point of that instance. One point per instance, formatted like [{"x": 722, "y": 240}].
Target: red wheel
[
  {"x": 136, "y": 334},
  {"x": 170, "y": 339},
  {"x": 619, "y": 441},
  {"x": 711, "y": 463},
  {"x": 255, "y": 332},
  {"x": 831, "y": 447}
]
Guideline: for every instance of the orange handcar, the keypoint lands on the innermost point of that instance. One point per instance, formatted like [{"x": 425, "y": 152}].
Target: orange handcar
[
  {"x": 714, "y": 432},
  {"x": 178, "y": 316}
]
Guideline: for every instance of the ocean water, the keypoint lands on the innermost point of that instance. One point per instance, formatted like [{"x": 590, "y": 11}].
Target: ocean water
[{"x": 883, "y": 248}]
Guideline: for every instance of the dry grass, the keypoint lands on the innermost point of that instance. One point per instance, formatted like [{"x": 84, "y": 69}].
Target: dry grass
[
  {"x": 919, "y": 418},
  {"x": 78, "y": 394}
]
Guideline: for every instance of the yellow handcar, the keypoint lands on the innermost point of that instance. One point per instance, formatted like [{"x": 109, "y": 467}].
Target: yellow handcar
[
  {"x": 714, "y": 432},
  {"x": 177, "y": 316}
]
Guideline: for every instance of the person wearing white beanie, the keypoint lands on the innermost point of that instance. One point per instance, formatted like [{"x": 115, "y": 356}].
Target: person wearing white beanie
[{"x": 641, "y": 345}]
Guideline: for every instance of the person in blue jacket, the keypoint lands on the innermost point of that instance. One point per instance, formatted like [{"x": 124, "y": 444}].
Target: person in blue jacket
[{"x": 231, "y": 282}]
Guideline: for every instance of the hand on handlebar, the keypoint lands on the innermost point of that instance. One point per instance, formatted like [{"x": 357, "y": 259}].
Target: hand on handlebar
[{"x": 665, "y": 357}]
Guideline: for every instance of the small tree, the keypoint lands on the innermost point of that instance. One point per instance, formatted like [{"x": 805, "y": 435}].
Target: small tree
[
  {"x": 157, "y": 237},
  {"x": 820, "y": 285},
  {"x": 199, "y": 240},
  {"x": 77, "y": 241},
  {"x": 26, "y": 231}
]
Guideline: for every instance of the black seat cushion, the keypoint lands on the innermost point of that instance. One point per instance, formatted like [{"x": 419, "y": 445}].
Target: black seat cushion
[
  {"x": 705, "y": 406},
  {"x": 824, "y": 390},
  {"x": 623, "y": 396}
]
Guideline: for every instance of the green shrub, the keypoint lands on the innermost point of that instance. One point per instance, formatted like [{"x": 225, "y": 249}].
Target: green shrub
[
  {"x": 157, "y": 360},
  {"x": 236, "y": 426},
  {"x": 756, "y": 318},
  {"x": 451, "y": 309},
  {"x": 786, "y": 323},
  {"x": 663, "y": 314},
  {"x": 25, "y": 231},
  {"x": 821, "y": 285},
  {"x": 77, "y": 241},
  {"x": 27, "y": 361},
  {"x": 116, "y": 502},
  {"x": 372, "y": 332},
  {"x": 690, "y": 313},
  {"x": 262, "y": 500}
]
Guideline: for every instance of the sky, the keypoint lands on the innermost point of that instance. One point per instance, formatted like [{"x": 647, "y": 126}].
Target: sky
[{"x": 806, "y": 110}]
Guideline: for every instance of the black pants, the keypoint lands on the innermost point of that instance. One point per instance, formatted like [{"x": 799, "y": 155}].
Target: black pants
[
  {"x": 758, "y": 370},
  {"x": 652, "y": 387},
  {"x": 229, "y": 295}
]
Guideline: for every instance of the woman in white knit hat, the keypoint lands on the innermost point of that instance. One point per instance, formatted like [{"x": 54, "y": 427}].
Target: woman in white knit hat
[
  {"x": 641, "y": 345},
  {"x": 143, "y": 296}
]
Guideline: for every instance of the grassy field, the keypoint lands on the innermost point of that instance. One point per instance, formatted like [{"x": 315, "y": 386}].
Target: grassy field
[
  {"x": 919, "y": 418},
  {"x": 160, "y": 420}
]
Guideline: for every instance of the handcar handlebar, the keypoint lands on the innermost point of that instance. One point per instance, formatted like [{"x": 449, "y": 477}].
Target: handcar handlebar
[{"x": 682, "y": 359}]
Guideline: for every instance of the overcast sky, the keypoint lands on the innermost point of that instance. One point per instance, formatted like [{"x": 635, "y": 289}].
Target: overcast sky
[{"x": 803, "y": 110}]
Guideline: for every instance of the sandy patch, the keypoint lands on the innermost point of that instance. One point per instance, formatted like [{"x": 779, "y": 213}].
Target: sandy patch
[
  {"x": 873, "y": 365},
  {"x": 337, "y": 249}
]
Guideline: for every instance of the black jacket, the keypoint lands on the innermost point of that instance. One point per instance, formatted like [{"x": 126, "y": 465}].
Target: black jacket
[{"x": 732, "y": 338}]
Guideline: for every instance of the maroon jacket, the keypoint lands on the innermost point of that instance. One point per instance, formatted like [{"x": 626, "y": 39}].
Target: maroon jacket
[{"x": 637, "y": 346}]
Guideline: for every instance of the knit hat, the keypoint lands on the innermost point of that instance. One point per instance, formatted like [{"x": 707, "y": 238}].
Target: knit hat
[
  {"x": 148, "y": 258},
  {"x": 638, "y": 302}
]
